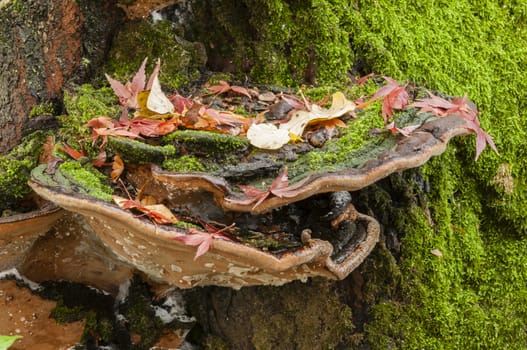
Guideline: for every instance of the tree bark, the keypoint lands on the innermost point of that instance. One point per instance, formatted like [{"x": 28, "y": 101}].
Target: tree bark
[{"x": 43, "y": 45}]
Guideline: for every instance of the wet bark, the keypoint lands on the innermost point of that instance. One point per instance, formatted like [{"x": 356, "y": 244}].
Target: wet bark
[{"x": 45, "y": 44}]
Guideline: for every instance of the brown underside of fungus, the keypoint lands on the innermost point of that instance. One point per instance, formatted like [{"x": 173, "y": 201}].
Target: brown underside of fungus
[{"x": 19, "y": 232}]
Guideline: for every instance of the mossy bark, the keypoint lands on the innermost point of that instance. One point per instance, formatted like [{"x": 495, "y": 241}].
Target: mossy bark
[{"x": 450, "y": 270}]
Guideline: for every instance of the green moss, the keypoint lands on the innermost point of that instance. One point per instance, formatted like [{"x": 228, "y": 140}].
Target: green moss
[
  {"x": 210, "y": 144},
  {"x": 181, "y": 60},
  {"x": 277, "y": 41},
  {"x": 216, "y": 77},
  {"x": 83, "y": 103},
  {"x": 15, "y": 169},
  {"x": 295, "y": 325},
  {"x": 294, "y": 316},
  {"x": 42, "y": 109},
  {"x": 140, "y": 152},
  {"x": 184, "y": 164},
  {"x": 141, "y": 316},
  {"x": 474, "y": 53},
  {"x": 473, "y": 295},
  {"x": 85, "y": 179},
  {"x": 64, "y": 314}
]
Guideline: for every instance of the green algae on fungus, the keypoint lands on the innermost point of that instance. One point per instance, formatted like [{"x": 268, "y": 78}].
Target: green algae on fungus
[
  {"x": 209, "y": 144},
  {"x": 351, "y": 149},
  {"x": 184, "y": 163},
  {"x": 85, "y": 179},
  {"x": 15, "y": 169},
  {"x": 140, "y": 152},
  {"x": 182, "y": 60}
]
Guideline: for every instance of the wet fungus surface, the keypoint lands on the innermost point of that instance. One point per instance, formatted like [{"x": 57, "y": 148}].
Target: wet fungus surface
[
  {"x": 19, "y": 232},
  {"x": 307, "y": 227}
]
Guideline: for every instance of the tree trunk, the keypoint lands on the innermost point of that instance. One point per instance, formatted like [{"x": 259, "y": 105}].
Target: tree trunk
[{"x": 44, "y": 45}]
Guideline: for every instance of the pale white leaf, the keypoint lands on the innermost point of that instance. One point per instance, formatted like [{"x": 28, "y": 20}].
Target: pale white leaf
[
  {"x": 267, "y": 136},
  {"x": 157, "y": 100}
]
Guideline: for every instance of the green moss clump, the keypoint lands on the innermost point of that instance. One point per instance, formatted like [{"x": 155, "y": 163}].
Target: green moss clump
[
  {"x": 85, "y": 179},
  {"x": 473, "y": 294},
  {"x": 15, "y": 168},
  {"x": 474, "y": 54},
  {"x": 42, "y": 109},
  {"x": 181, "y": 60},
  {"x": 212, "y": 146},
  {"x": 139, "y": 152},
  {"x": 301, "y": 316},
  {"x": 184, "y": 164},
  {"x": 83, "y": 103}
]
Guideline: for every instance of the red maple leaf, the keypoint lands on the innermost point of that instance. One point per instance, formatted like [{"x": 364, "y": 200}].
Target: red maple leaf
[
  {"x": 257, "y": 196},
  {"x": 405, "y": 131},
  {"x": 204, "y": 240},
  {"x": 128, "y": 92},
  {"x": 440, "y": 107},
  {"x": 224, "y": 87},
  {"x": 181, "y": 104},
  {"x": 394, "y": 96}
]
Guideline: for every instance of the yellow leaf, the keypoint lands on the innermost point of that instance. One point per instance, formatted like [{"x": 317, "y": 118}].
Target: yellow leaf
[{"x": 300, "y": 119}]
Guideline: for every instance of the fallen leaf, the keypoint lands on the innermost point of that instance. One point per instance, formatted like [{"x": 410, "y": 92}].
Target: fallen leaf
[
  {"x": 300, "y": 119},
  {"x": 127, "y": 93},
  {"x": 203, "y": 240},
  {"x": 224, "y": 87},
  {"x": 117, "y": 168},
  {"x": 73, "y": 153},
  {"x": 463, "y": 107},
  {"x": 267, "y": 136},
  {"x": 394, "y": 96},
  {"x": 271, "y": 137},
  {"x": 405, "y": 131},
  {"x": 257, "y": 196},
  {"x": 157, "y": 101},
  {"x": 159, "y": 213}
]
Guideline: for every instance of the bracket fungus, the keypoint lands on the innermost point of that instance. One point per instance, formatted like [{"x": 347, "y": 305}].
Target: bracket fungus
[
  {"x": 329, "y": 239},
  {"x": 262, "y": 207},
  {"x": 19, "y": 232}
]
